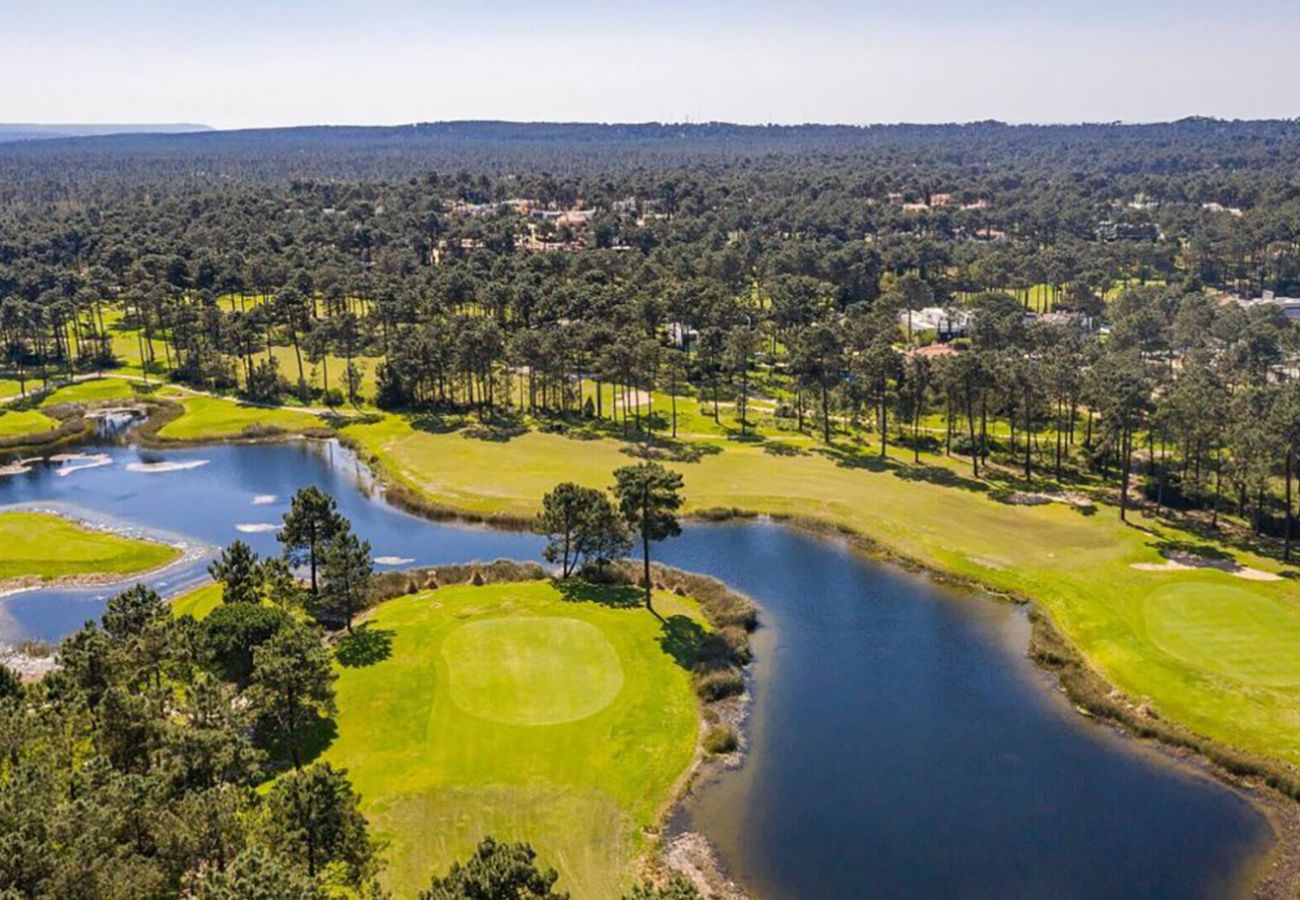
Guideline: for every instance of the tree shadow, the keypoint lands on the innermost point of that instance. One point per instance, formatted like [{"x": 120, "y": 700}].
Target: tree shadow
[
  {"x": 940, "y": 475},
  {"x": 366, "y": 646},
  {"x": 681, "y": 638},
  {"x": 615, "y": 596},
  {"x": 671, "y": 451},
  {"x": 777, "y": 448},
  {"x": 1171, "y": 549},
  {"x": 314, "y": 741},
  {"x": 852, "y": 459},
  {"x": 435, "y": 423}
]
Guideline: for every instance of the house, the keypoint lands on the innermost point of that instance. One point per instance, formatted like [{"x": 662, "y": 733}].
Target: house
[
  {"x": 626, "y": 205},
  {"x": 681, "y": 334},
  {"x": 575, "y": 218},
  {"x": 1110, "y": 231},
  {"x": 1290, "y": 306},
  {"x": 937, "y": 200},
  {"x": 915, "y": 208},
  {"x": 1220, "y": 208},
  {"x": 946, "y": 323}
]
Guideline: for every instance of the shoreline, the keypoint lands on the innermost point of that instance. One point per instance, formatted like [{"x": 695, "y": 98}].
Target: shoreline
[{"x": 1271, "y": 786}]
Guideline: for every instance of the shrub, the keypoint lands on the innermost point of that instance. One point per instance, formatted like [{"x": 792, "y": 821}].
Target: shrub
[
  {"x": 721, "y": 739},
  {"x": 719, "y": 684}
]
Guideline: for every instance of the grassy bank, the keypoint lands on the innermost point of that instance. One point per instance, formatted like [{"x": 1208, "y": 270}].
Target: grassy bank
[
  {"x": 1220, "y": 664},
  {"x": 519, "y": 711},
  {"x": 48, "y": 547}
]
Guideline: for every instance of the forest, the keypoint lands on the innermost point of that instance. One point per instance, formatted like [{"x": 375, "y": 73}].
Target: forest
[{"x": 1091, "y": 312}]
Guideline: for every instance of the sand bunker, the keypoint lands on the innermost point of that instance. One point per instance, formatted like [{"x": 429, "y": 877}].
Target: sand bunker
[
  {"x": 1184, "y": 561},
  {"x": 156, "y": 467}
]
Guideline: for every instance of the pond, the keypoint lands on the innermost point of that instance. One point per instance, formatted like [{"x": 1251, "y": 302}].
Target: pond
[{"x": 902, "y": 744}]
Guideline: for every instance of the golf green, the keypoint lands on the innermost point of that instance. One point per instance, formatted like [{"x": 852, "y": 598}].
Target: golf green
[{"x": 531, "y": 671}]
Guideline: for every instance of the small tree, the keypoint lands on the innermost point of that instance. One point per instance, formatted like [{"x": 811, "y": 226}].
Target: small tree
[
  {"x": 292, "y": 687},
  {"x": 234, "y": 631},
  {"x": 348, "y": 569},
  {"x": 648, "y": 497},
  {"x": 496, "y": 871},
  {"x": 310, "y": 522},
  {"x": 313, "y": 818},
  {"x": 580, "y": 524},
  {"x": 238, "y": 573}
]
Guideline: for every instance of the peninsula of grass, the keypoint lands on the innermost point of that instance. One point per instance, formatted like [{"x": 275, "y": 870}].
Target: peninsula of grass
[
  {"x": 217, "y": 418},
  {"x": 27, "y": 424},
  {"x": 561, "y": 715},
  {"x": 1200, "y": 646},
  {"x": 42, "y": 547}
]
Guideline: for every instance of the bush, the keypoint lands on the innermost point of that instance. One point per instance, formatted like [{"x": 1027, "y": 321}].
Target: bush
[
  {"x": 719, "y": 684},
  {"x": 721, "y": 739}
]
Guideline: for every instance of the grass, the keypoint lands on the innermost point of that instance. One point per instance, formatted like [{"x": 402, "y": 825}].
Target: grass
[
  {"x": 95, "y": 390},
  {"x": 40, "y": 545},
  {"x": 23, "y": 422},
  {"x": 198, "y": 602},
  {"x": 510, "y": 710},
  {"x": 1078, "y": 567},
  {"x": 208, "y": 418}
]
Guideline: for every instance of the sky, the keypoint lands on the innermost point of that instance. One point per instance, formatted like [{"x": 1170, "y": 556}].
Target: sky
[{"x": 243, "y": 63}]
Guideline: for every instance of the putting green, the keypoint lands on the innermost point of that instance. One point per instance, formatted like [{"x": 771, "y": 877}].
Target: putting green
[
  {"x": 1227, "y": 630},
  {"x": 531, "y": 671}
]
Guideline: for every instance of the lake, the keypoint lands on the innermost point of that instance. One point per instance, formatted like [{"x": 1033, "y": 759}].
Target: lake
[{"x": 902, "y": 743}]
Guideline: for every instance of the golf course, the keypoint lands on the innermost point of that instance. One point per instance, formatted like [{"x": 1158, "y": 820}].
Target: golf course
[
  {"x": 40, "y": 546},
  {"x": 560, "y": 718},
  {"x": 1106, "y": 585}
]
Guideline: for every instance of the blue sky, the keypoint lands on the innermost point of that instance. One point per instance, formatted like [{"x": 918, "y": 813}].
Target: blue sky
[{"x": 241, "y": 63}]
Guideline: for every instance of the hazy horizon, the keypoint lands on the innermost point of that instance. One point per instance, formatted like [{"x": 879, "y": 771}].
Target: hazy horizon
[{"x": 242, "y": 64}]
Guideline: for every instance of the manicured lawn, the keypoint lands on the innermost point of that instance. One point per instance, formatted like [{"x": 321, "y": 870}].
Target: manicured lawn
[
  {"x": 20, "y": 422},
  {"x": 95, "y": 390},
  {"x": 207, "y": 418},
  {"x": 198, "y": 602},
  {"x": 46, "y": 546},
  {"x": 512, "y": 711},
  {"x": 1221, "y": 663}
]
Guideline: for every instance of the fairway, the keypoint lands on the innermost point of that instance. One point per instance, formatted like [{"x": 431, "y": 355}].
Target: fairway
[
  {"x": 210, "y": 418},
  {"x": 1232, "y": 677},
  {"x": 512, "y": 711},
  {"x": 47, "y": 547}
]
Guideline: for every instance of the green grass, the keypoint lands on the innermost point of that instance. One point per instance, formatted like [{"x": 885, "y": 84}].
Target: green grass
[
  {"x": 40, "y": 545},
  {"x": 209, "y": 418},
  {"x": 22, "y": 422},
  {"x": 197, "y": 602},
  {"x": 1077, "y": 566},
  {"x": 95, "y": 390},
  {"x": 512, "y": 711}
]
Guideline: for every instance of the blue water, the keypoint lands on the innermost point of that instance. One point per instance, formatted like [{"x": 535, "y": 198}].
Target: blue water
[{"x": 902, "y": 745}]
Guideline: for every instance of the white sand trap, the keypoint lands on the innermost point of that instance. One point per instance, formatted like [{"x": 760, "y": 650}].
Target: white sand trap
[
  {"x": 265, "y": 499},
  {"x": 256, "y": 527},
  {"x": 75, "y": 463},
  {"x": 166, "y": 466},
  {"x": 1183, "y": 561},
  {"x": 393, "y": 560}
]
